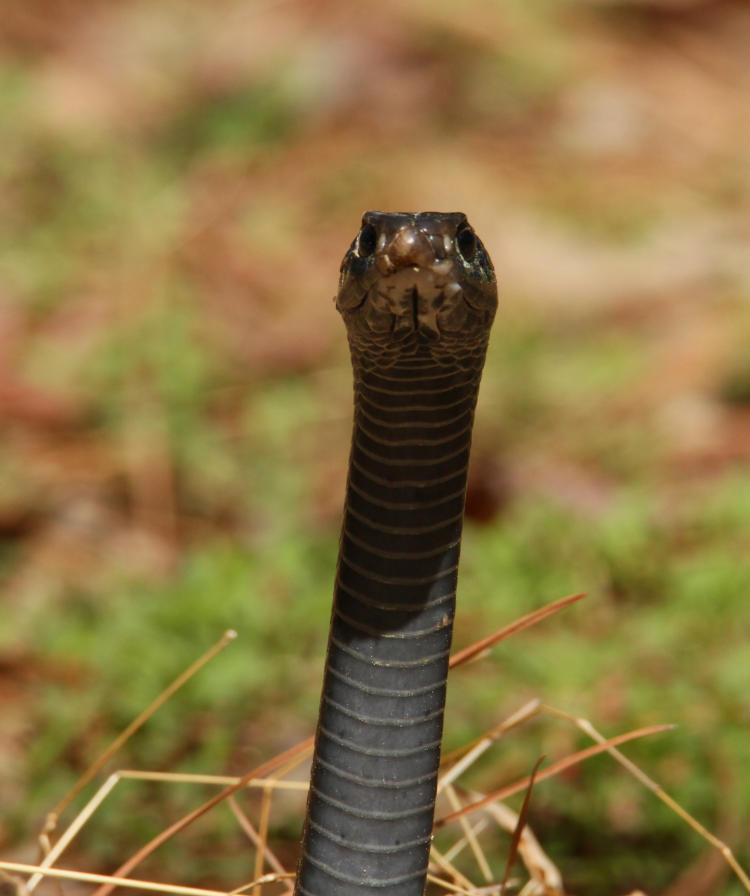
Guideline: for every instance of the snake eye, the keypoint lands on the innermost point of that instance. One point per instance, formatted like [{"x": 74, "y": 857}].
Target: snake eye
[
  {"x": 367, "y": 241},
  {"x": 466, "y": 242}
]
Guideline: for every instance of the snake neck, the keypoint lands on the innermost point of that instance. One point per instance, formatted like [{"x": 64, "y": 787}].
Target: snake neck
[
  {"x": 406, "y": 487},
  {"x": 377, "y": 750}
]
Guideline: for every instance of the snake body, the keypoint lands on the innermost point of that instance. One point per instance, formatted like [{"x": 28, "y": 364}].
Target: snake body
[{"x": 418, "y": 296}]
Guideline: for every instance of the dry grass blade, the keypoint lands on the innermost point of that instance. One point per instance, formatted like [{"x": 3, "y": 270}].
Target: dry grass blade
[
  {"x": 188, "y": 778},
  {"x": 129, "y": 774},
  {"x": 449, "y": 887},
  {"x": 476, "y": 827},
  {"x": 87, "y": 877},
  {"x": 185, "y": 821},
  {"x": 103, "y": 792},
  {"x": 265, "y": 813},
  {"x": 9, "y": 883},
  {"x": 554, "y": 769},
  {"x": 478, "y": 648},
  {"x": 461, "y": 883},
  {"x": 520, "y": 825},
  {"x": 651, "y": 785},
  {"x": 544, "y": 874},
  {"x": 469, "y": 836},
  {"x": 465, "y": 756},
  {"x": 271, "y": 878},
  {"x": 255, "y": 838},
  {"x": 54, "y": 853},
  {"x": 140, "y": 720}
]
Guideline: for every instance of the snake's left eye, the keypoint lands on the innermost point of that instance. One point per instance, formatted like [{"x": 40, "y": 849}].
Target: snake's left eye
[
  {"x": 466, "y": 242},
  {"x": 367, "y": 241}
]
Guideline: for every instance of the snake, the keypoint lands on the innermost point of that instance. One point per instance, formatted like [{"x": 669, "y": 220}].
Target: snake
[{"x": 418, "y": 294}]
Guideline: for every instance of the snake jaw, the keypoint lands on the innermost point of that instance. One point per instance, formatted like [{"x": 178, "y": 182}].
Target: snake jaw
[{"x": 413, "y": 299}]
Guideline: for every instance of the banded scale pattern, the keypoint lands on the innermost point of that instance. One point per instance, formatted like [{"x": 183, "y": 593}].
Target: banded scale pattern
[{"x": 375, "y": 766}]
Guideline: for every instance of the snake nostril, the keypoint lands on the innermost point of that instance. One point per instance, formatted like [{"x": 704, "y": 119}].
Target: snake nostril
[{"x": 367, "y": 241}]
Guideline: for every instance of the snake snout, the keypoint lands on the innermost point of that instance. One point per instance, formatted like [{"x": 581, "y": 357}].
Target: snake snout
[{"x": 408, "y": 248}]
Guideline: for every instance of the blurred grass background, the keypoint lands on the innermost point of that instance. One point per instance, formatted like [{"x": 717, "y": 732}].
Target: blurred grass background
[{"x": 178, "y": 183}]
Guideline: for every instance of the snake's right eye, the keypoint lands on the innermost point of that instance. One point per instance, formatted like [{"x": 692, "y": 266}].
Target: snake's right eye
[
  {"x": 367, "y": 241},
  {"x": 466, "y": 242}
]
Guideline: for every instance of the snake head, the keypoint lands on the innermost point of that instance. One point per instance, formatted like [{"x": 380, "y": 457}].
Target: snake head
[{"x": 423, "y": 276}]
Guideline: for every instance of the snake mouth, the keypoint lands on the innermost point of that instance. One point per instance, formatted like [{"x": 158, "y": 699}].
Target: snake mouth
[
  {"x": 430, "y": 309},
  {"x": 420, "y": 318}
]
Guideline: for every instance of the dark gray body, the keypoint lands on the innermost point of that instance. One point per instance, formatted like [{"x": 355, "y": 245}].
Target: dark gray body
[{"x": 377, "y": 750}]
